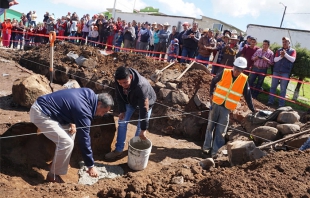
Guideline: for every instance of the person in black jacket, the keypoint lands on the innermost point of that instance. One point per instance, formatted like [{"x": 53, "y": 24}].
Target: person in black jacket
[
  {"x": 190, "y": 42},
  {"x": 132, "y": 91}
]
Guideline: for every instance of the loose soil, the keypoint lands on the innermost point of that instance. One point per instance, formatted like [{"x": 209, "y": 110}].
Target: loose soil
[{"x": 280, "y": 174}]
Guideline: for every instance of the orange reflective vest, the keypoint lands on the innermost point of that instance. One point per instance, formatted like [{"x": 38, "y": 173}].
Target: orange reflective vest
[{"x": 228, "y": 91}]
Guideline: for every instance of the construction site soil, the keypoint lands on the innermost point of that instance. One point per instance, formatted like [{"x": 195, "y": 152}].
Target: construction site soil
[{"x": 279, "y": 174}]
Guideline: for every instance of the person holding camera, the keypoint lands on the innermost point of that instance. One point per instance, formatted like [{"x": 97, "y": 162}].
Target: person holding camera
[{"x": 262, "y": 58}]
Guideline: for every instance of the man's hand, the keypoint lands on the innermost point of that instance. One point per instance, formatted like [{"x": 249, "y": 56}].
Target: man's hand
[
  {"x": 13, "y": 3},
  {"x": 121, "y": 116},
  {"x": 282, "y": 53},
  {"x": 142, "y": 134},
  {"x": 92, "y": 172},
  {"x": 72, "y": 129}
]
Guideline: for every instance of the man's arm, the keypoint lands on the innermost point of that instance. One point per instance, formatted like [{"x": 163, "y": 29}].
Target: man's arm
[
  {"x": 291, "y": 58},
  {"x": 197, "y": 37},
  {"x": 248, "y": 96},
  {"x": 83, "y": 131}
]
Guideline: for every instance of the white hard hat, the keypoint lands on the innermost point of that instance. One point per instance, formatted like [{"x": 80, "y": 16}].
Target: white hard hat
[{"x": 240, "y": 62}]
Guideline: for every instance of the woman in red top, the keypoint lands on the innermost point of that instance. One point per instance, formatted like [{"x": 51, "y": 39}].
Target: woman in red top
[{"x": 6, "y": 32}]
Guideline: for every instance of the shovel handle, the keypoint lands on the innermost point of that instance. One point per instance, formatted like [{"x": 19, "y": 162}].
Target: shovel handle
[
  {"x": 283, "y": 139},
  {"x": 186, "y": 70},
  {"x": 52, "y": 38},
  {"x": 167, "y": 66}
]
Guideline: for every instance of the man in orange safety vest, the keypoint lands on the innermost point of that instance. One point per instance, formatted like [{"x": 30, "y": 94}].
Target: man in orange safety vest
[{"x": 229, "y": 86}]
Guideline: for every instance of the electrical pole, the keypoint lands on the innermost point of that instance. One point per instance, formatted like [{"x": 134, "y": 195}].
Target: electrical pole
[
  {"x": 113, "y": 12},
  {"x": 283, "y": 14}
]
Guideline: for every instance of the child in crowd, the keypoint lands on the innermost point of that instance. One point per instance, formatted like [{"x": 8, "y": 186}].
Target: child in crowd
[
  {"x": 118, "y": 41},
  {"x": 93, "y": 37},
  {"x": 173, "y": 50}
]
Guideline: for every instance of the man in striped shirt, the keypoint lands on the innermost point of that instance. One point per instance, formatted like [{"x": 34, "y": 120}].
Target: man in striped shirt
[{"x": 262, "y": 58}]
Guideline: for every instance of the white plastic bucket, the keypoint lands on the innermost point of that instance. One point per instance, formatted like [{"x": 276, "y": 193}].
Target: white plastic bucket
[{"x": 138, "y": 153}]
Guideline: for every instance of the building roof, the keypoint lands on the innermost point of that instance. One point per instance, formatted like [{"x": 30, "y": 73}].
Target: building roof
[
  {"x": 14, "y": 11},
  {"x": 278, "y": 28},
  {"x": 225, "y": 23}
]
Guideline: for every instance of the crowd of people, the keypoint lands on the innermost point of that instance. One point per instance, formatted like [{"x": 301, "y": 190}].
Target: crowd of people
[{"x": 156, "y": 40}]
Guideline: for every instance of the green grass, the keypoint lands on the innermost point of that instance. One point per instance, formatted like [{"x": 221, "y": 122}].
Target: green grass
[{"x": 304, "y": 93}]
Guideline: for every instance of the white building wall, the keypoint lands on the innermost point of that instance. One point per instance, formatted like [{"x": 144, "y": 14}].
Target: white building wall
[
  {"x": 177, "y": 21},
  {"x": 274, "y": 35}
]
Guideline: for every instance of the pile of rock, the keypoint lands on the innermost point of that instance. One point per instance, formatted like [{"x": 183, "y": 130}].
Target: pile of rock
[{"x": 281, "y": 124}]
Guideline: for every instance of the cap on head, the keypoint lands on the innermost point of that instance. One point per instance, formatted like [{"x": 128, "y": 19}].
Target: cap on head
[
  {"x": 286, "y": 39},
  {"x": 240, "y": 62}
]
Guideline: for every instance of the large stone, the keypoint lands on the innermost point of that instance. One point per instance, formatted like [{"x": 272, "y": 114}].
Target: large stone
[
  {"x": 286, "y": 129},
  {"x": 297, "y": 142},
  {"x": 90, "y": 63},
  {"x": 271, "y": 124},
  {"x": 240, "y": 152},
  {"x": 264, "y": 133},
  {"x": 179, "y": 97},
  {"x": 248, "y": 123},
  {"x": 159, "y": 85},
  {"x": 165, "y": 94},
  {"x": 288, "y": 117},
  {"x": 27, "y": 90},
  {"x": 169, "y": 75},
  {"x": 36, "y": 150},
  {"x": 202, "y": 100}
]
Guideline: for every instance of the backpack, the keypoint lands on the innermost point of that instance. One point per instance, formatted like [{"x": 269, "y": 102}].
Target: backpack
[{"x": 145, "y": 37}]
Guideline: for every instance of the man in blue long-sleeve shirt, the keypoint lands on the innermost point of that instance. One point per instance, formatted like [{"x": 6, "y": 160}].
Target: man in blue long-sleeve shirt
[{"x": 54, "y": 113}]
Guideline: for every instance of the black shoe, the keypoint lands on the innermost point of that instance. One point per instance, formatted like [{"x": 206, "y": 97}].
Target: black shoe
[{"x": 269, "y": 104}]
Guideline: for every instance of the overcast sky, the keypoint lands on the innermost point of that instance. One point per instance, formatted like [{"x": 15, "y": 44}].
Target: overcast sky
[{"x": 239, "y": 13}]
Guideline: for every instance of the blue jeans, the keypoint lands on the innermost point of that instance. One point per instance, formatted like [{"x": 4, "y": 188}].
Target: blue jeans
[
  {"x": 217, "y": 128},
  {"x": 260, "y": 80},
  {"x": 122, "y": 127},
  {"x": 72, "y": 34},
  {"x": 203, "y": 58},
  {"x": 19, "y": 40},
  {"x": 306, "y": 145},
  {"x": 283, "y": 85},
  {"x": 187, "y": 52}
]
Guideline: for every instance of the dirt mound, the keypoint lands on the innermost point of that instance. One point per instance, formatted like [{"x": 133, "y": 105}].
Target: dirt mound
[{"x": 277, "y": 175}]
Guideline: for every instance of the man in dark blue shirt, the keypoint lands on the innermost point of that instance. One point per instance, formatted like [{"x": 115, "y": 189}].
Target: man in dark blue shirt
[{"x": 61, "y": 115}]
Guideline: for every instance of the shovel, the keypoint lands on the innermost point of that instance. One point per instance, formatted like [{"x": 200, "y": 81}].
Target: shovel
[
  {"x": 52, "y": 38},
  {"x": 158, "y": 73}
]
